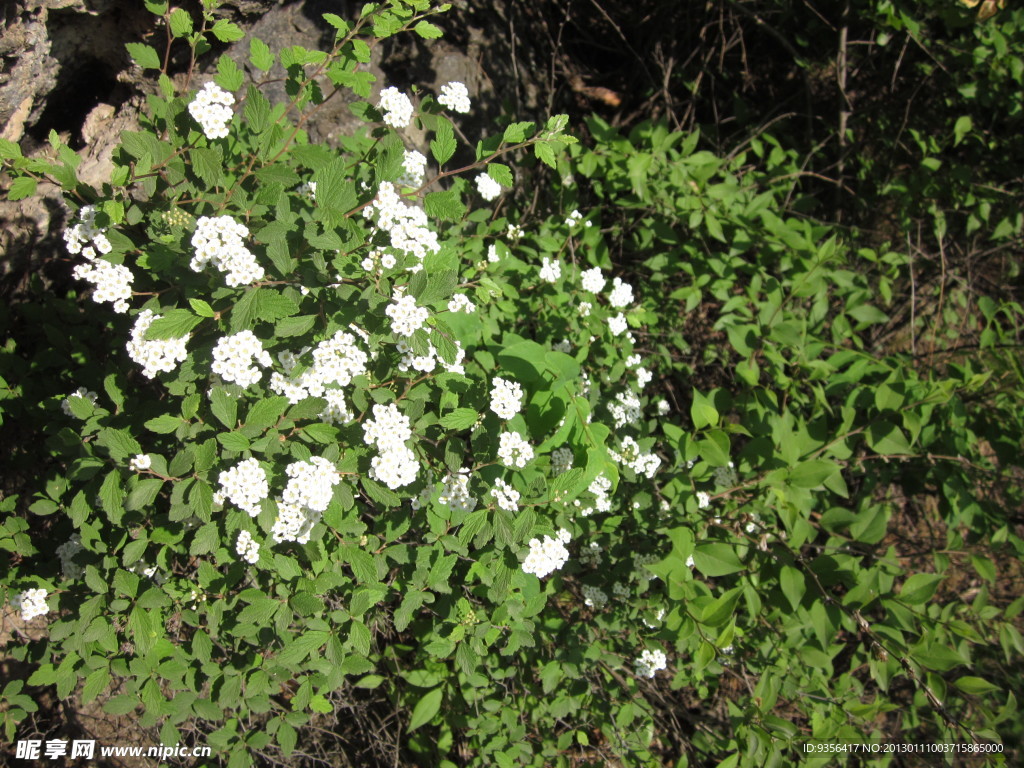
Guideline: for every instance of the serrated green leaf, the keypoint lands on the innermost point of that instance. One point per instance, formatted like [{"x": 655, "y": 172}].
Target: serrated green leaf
[
  {"x": 144, "y": 55},
  {"x": 181, "y": 23},
  {"x": 226, "y": 31},
  {"x": 173, "y": 324},
  {"x": 21, "y": 187},
  {"x": 460, "y": 418},
  {"x": 260, "y": 55},
  {"x": 257, "y": 109},
  {"x": 501, "y": 174},
  {"x": 443, "y": 145},
  {"x": 427, "y": 30}
]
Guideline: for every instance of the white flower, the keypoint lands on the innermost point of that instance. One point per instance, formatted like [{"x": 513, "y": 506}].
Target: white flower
[
  {"x": 245, "y": 485},
  {"x": 592, "y": 280},
  {"x": 455, "y": 492},
  {"x": 506, "y": 398},
  {"x": 32, "y": 603},
  {"x": 395, "y": 467},
  {"x": 650, "y": 662},
  {"x": 514, "y": 232},
  {"x": 396, "y": 107},
  {"x": 506, "y": 496},
  {"x": 405, "y": 224},
  {"x": 461, "y": 303},
  {"x": 622, "y": 293},
  {"x": 492, "y": 253},
  {"x": 154, "y": 356},
  {"x": 233, "y": 355},
  {"x": 488, "y": 188},
  {"x": 547, "y": 556},
  {"x": 219, "y": 241},
  {"x": 625, "y": 409},
  {"x": 617, "y": 324},
  {"x": 211, "y": 108},
  {"x": 82, "y": 392},
  {"x": 454, "y": 96},
  {"x": 585, "y": 307},
  {"x": 247, "y": 548},
  {"x": 111, "y": 282},
  {"x": 703, "y": 500},
  {"x": 389, "y": 427},
  {"x": 336, "y": 360},
  {"x": 663, "y": 407},
  {"x": 140, "y": 463},
  {"x": 574, "y": 218},
  {"x": 514, "y": 451},
  {"x": 415, "y": 166},
  {"x": 406, "y": 316},
  {"x": 550, "y": 270},
  {"x": 308, "y": 493}
]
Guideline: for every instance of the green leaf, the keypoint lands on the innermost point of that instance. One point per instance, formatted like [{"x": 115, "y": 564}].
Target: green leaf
[
  {"x": 446, "y": 205},
  {"x": 443, "y": 145},
  {"x": 919, "y": 588},
  {"x": 144, "y": 55},
  {"x": 813, "y": 473},
  {"x": 501, "y": 174},
  {"x": 266, "y": 412},
  {"x": 702, "y": 411},
  {"x": 257, "y": 109},
  {"x": 975, "y": 685},
  {"x": 427, "y": 30},
  {"x": 426, "y": 708},
  {"x": 260, "y": 55},
  {"x": 716, "y": 559},
  {"x": 886, "y": 439},
  {"x": 517, "y": 132},
  {"x": 201, "y": 308},
  {"x": 545, "y": 154},
  {"x": 181, "y": 23},
  {"x": 234, "y": 441},
  {"x": 720, "y": 610},
  {"x": 226, "y": 31},
  {"x": 206, "y": 539},
  {"x": 286, "y": 739},
  {"x": 121, "y": 705},
  {"x": 459, "y": 419},
  {"x": 294, "y": 326},
  {"x": 20, "y": 188},
  {"x": 229, "y": 76},
  {"x": 793, "y": 585},
  {"x": 174, "y": 324},
  {"x": 224, "y": 407}
]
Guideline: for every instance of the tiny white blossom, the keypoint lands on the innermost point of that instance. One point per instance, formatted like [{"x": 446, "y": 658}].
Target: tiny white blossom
[
  {"x": 488, "y": 188},
  {"x": 455, "y": 96}
]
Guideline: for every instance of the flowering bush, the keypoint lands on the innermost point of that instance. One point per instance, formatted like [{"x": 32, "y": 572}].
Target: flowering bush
[{"x": 367, "y": 433}]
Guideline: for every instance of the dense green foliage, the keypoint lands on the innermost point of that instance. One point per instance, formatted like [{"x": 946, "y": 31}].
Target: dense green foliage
[{"x": 812, "y": 509}]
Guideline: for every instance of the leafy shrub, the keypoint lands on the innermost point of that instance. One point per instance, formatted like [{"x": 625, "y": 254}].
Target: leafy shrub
[{"x": 374, "y": 434}]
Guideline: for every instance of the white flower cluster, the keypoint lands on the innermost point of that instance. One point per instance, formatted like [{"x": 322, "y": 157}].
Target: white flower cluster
[
  {"x": 111, "y": 282},
  {"x": 602, "y": 501},
  {"x": 32, "y": 603},
  {"x": 506, "y": 398},
  {"x": 662, "y": 407},
  {"x": 591, "y": 555},
  {"x": 625, "y": 409},
  {"x": 622, "y": 293},
  {"x": 455, "y": 96},
  {"x": 488, "y": 188},
  {"x": 405, "y": 225},
  {"x": 617, "y": 325},
  {"x": 547, "y": 556},
  {"x": 629, "y": 453},
  {"x": 514, "y": 451},
  {"x": 584, "y": 308},
  {"x": 406, "y": 316},
  {"x": 247, "y": 548},
  {"x": 219, "y": 241},
  {"x": 66, "y": 553},
  {"x": 574, "y": 218},
  {"x": 307, "y": 189},
  {"x": 428, "y": 362},
  {"x": 650, "y": 662},
  {"x": 396, "y": 466},
  {"x": 305, "y": 497},
  {"x": 594, "y": 597},
  {"x": 515, "y": 232},
  {"x": 492, "y": 253},
  {"x": 211, "y": 108},
  {"x": 460, "y": 303},
  {"x": 657, "y": 619},
  {"x": 78, "y": 237},
  {"x": 551, "y": 270},
  {"x": 336, "y": 411},
  {"x": 414, "y": 165},
  {"x": 335, "y": 361},
  {"x": 233, "y": 357},
  {"x": 593, "y": 280},
  {"x": 65, "y": 404},
  {"x": 506, "y": 496},
  {"x": 140, "y": 463},
  {"x": 455, "y": 492},
  {"x": 703, "y": 500},
  {"x": 643, "y": 377},
  {"x": 245, "y": 486},
  {"x": 561, "y": 460},
  {"x": 158, "y": 355},
  {"x": 396, "y": 107}
]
